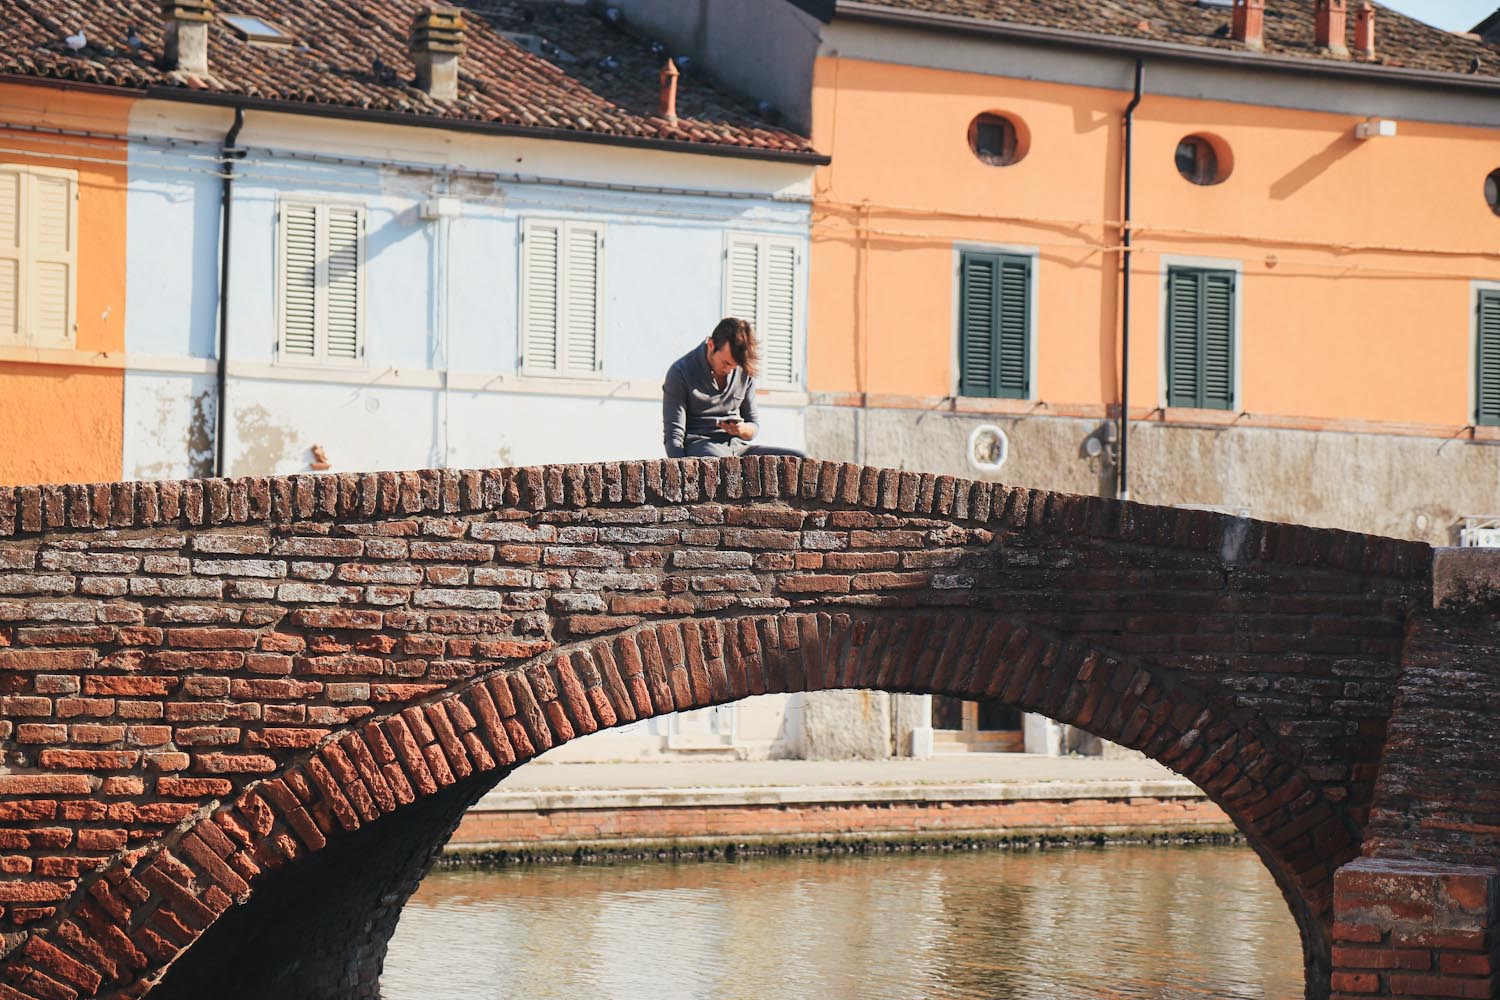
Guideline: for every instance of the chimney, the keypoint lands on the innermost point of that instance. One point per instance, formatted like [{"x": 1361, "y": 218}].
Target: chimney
[
  {"x": 437, "y": 40},
  {"x": 1364, "y": 31},
  {"x": 187, "y": 34},
  {"x": 667, "y": 106},
  {"x": 1248, "y": 22},
  {"x": 1333, "y": 27}
]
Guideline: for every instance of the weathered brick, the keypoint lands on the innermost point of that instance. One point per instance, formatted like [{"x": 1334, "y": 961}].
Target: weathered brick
[
  {"x": 478, "y": 599},
  {"x": 326, "y": 548},
  {"x": 266, "y": 568}
]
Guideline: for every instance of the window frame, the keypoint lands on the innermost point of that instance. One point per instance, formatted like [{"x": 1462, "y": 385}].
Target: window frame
[
  {"x": 764, "y": 242},
  {"x": 319, "y": 357},
  {"x": 955, "y": 323},
  {"x": 564, "y": 227},
  {"x": 1477, "y": 292},
  {"x": 28, "y": 253},
  {"x": 1170, "y": 262}
]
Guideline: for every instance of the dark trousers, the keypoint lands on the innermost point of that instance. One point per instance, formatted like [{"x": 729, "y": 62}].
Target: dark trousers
[{"x": 705, "y": 448}]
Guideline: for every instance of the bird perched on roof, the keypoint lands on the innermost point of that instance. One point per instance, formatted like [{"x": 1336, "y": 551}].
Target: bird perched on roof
[
  {"x": 1476, "y": 64},
  {"x": 133, "y": 39},
  {"x": 76, "y": 42}
]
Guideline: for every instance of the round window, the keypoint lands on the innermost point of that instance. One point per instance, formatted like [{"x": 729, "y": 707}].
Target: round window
[
  {"x": 998, "y": 140},
  {"x": 1203, "y": 159},
  {"x": 1492, "y": 191}
]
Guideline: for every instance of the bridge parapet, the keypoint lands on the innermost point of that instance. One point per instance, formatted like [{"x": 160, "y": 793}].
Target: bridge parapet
[{"x": 203, "y": 682}]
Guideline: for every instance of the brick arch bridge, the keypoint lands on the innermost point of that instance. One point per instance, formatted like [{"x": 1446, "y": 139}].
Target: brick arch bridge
[{"x": 241, "y": 716}]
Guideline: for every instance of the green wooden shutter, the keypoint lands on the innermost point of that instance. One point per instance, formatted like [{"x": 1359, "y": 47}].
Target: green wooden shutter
[
  {"x": 1487, "y": 361},
  {"x": 994, "y": 325},
  {"x": 1218, "y": 340},
  {"x": 976, "y": 323},
  {"x": 1200, "y": 338},
  {"x": 1014, "y": 328}
]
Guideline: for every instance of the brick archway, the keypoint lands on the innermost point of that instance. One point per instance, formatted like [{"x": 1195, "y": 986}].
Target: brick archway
[{"x": 447, "y": 626}]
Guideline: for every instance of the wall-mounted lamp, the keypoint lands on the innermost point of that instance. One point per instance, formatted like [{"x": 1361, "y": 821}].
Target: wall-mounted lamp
[{"x": 1375, "y": 128}]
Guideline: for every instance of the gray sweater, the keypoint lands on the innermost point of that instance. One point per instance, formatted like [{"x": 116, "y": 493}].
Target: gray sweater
[{"x": 692, "y": 404}]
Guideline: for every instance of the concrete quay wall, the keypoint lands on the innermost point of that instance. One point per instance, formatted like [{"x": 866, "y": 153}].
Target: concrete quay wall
[{"x": 541, "y": 822}]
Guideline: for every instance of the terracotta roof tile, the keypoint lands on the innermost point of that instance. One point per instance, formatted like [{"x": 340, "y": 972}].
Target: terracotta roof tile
[
  {"x": 597, "y": 79},
  {"x": 1400, "y": 41}
]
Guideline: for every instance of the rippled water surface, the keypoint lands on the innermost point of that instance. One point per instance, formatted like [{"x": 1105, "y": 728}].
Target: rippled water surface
[{"x": 1080, "y": 923}]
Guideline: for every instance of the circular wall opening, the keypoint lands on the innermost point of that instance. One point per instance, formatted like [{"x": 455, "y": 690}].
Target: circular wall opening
[
  {"x": 999, "y": 140},
  {"x": 1492, "y": 191},
  {"x": 1204, "y": 159}
]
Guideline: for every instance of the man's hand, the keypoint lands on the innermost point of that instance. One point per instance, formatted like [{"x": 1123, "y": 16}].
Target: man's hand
[{"x": 738, "y": 428}]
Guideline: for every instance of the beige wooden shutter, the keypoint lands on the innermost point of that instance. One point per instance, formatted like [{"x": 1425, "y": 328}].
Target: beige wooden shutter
[
  {"x": 581, "y": 299},
  {"x": 540, "y": 306},
  {"x": 743, "y": 280},
  {"x": 299, "y": 281},
  {"x": 11, "y": 255},
  {"x": 761, "y": 285},
  {"x": 322, "y": 281},
  {"x": 778, "y": 319},
  {"x": 49, "y": 307},
  {"x": 344, "y": 254}
]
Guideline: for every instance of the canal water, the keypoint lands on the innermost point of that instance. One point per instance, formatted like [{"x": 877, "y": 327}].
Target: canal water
[{"x": 1085, "y": 923}]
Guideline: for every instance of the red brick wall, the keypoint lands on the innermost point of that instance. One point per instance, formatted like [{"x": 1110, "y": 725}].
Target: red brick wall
[
  {"x": 296, "y": 659},
  {"x": 1415, "y": 929}
]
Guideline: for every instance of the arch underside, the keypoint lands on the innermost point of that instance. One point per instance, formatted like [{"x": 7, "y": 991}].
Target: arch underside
[{"x": 296, "y": 885}]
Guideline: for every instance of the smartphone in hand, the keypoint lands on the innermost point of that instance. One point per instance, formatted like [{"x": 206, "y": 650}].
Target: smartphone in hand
[{"x": 730, "y": 426}]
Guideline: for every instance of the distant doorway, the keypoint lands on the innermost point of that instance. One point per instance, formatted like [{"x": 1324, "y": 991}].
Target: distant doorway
[{"x": 967, "y": 726}]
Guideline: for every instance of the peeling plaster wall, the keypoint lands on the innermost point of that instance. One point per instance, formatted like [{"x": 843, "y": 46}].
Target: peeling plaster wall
[
  {"x": 1403, "y": 486},
  {"x": 662, "y": 290}
]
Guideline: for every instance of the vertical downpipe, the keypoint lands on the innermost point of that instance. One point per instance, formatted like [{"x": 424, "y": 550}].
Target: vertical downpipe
[
  {"x": 1122, "y": 487},
  {"x": 228, "y": 154}
]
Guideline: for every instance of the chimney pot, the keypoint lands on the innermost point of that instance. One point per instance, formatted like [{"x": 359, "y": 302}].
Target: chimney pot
[
  {"x": 667, "y": 106},
  {"x": 437, "y": 40},
  {"x": 1248, "y": 23},
  {"x": 187, "y": 34},
  {"x": 1364, "y": 31},
  {"x": 1333, "y": 26}
]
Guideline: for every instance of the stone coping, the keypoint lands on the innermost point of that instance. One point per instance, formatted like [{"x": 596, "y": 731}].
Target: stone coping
[{"x": 538, "y": 800}]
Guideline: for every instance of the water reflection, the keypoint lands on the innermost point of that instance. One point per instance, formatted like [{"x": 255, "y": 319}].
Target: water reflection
[{"x": 1119, "y": 922}]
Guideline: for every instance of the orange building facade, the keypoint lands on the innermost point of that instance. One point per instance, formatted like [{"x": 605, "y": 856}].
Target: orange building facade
[
  {"x": 1355, "y": 264},
  {"x": 62, "y": 285}
]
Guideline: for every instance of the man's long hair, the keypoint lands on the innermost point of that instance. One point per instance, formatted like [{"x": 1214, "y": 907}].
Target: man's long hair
[{"x": 740, "y": 337}]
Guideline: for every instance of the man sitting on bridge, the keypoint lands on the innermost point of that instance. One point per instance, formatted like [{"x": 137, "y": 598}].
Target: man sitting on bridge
[{"x": 708, "y": 399}]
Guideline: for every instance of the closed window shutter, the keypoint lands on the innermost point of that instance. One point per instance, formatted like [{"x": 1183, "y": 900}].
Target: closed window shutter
[
  {"x": 49, "y": 311},
  {"x": 1200, "y": 338},
  {"x": 581, "y": 300},
  {"x": 978, "y": 288},
  {"x": 994, "y": 325},
  {"x": 540, "y": 306},
  {"x": 11, "y": 250},
  {"x": 299, "y": 270},
  {"x": 38, "y": 256},
  {"x": 342, "y": 324},
  {"x": 1218, "y": 340},
  {"x": 762, "y": 287},
  {"x": 778, "y": 320},
  {"x": 743, "y": 297},
  {"x": 322, "y": 282},
  {"x": 1012, "y": 379},
  {"x": 1487, "y": 361}
]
